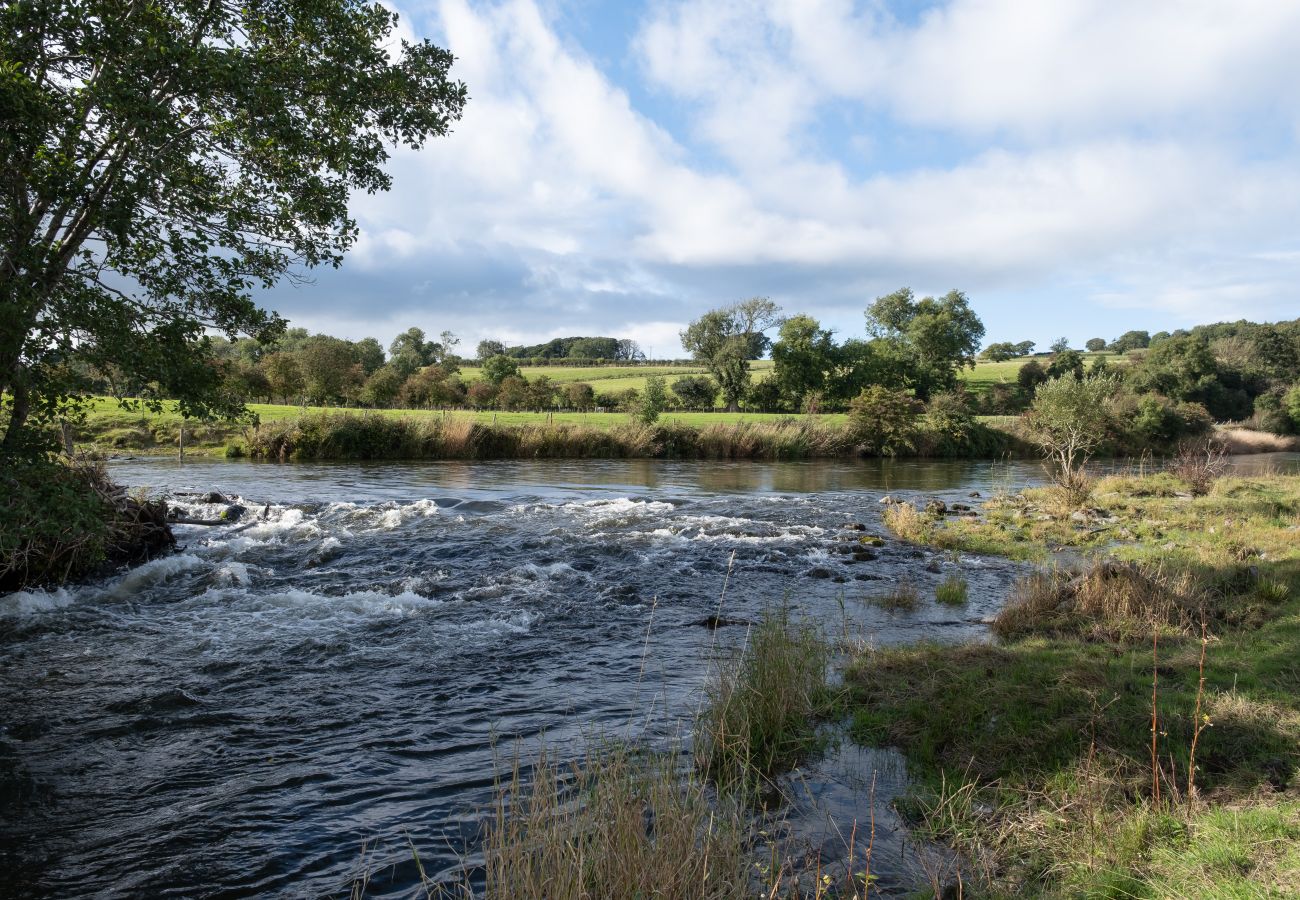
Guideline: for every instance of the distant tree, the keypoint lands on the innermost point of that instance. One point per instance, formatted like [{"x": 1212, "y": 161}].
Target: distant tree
[
  {"x": 541, "y": 393},
  {"x": 481, "y": 394},
  {"x": 696, "y": 391},
  {"x": 430, "y": 387},
  {"x": 382, "y": 387},
  {"x": 629, "y": 351},
  {"x": 246, "y": 379},
  {"x": 1060, "y": 345},
  {"x": 498, "y": 368},
  {"x": 726, "y": 339},
  {"x": 1095, "y": 345},
  {"x": 409, "y": 352},
  {"x": 446, "y": 351},
  {"x": 163, "y": 160},
  {"x": 1005, "y": 350},
  {"x": 284, "y": 376},
  {"x": 512, "y": 393},
  {"x": 1131, "y": 340},
  {"x": 933, "y": 338},
  {"x": 369, "y": 354},
  {"x": 579, "y": 396},
  {"x": 1065, "y": 362},
  {"x": 652, "y": 401},
  {"x": 329, "y": 369},
  {"x": 594, "y": 348},
  {"x": 1157, "y": 338},
  {"x": 488, "y": 349},
  {"x": 1030, "y": 376}
]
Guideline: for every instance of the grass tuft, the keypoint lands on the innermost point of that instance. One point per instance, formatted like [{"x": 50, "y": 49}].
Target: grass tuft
[{"x": 952, "y": 591}]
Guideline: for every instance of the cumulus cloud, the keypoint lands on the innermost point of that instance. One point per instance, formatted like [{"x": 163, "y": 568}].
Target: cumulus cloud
[{"x": 1135, "y": 157}]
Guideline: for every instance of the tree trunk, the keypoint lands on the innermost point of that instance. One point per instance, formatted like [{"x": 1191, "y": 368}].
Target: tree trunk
[{"x": 18, "y": 413}]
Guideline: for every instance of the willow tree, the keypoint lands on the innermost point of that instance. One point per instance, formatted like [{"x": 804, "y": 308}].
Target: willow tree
[{"x": 162, "y": 159}]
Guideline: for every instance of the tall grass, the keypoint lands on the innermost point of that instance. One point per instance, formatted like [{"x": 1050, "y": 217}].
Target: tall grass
[
  {"x": 761, "y": 705},
  {"x": 369, "y": 435},
  {"x": 621, "y": 824}
]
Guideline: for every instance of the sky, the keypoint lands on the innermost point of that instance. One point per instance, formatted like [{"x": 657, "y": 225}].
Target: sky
[{"x": 1076, "y": 168}]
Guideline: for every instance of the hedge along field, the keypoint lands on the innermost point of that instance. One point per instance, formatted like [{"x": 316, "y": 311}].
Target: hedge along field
[
  {"x": 608, "y": 379},
  {"x": 987, "y": 373}
]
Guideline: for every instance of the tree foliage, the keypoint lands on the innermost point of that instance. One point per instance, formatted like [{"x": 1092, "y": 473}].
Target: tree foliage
[
  {"x": 930, "y": 338},
  {"x": 726, "y": 339},
  {"x": 162, "y": 160}
]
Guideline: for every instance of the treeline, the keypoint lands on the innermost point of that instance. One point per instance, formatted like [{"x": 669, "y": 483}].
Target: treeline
[{"x": 1229, "y": 372}]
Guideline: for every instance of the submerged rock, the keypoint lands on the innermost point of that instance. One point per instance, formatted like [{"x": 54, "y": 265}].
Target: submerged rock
[{"x": 715, "y": 622}]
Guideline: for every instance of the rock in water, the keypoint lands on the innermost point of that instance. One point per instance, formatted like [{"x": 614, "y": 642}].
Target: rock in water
[
  {"x": 233, "y": 513},
  {"x": 213, "y": 497}
]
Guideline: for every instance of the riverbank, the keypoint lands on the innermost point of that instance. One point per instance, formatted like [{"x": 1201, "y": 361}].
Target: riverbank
[
  {"x": 63, "y": 522},
  {"x": 1135, "y": 729},
  {"x": 389, "y": 434}
]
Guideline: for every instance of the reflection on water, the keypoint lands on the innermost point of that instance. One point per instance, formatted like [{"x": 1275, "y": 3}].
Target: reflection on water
[{"x": 238, "y": 718}]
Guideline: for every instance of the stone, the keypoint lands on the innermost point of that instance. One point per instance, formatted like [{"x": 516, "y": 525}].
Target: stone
[
  {"x": 213, "y": 497},
  {"x": 936, "y": 507},
  {"x": 233, "y": 513}
]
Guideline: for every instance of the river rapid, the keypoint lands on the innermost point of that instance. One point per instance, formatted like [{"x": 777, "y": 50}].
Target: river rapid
[{"x": 240, "y": 718}]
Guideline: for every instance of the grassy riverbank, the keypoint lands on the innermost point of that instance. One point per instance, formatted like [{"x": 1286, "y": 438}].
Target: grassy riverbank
[
  {"x": 1036, "y": 751},
  {"x": 292, "y": 433}
]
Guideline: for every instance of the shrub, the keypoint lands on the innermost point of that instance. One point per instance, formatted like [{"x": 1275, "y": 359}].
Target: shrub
[
  {"x": 1199, "y": 463},
  {"x": 1069, "y": 421},
  {"x": 882, "y": 421}
]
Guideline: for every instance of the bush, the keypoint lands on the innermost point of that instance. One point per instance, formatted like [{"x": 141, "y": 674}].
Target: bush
[{"x": 882, "y": 421}]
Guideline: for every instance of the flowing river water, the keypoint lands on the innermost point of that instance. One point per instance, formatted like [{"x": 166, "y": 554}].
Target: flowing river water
[{"x": 240, "y": 718}]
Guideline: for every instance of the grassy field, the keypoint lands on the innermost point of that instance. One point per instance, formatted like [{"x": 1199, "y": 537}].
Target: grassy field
[{"x": 1135, "y": 732}]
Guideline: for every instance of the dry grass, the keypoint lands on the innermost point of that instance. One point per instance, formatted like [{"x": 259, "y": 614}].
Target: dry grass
[
  {"x": 1246, "y": 440},
  {"x": 903, "y": 597},
  {"x": 909, "y": 523},
  {"x": 1199, "y": 464},
  {"x": 621, "y": 824},
  {"x": 1108, "y": 601}
]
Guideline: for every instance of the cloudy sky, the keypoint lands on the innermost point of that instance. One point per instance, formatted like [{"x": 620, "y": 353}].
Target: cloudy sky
[{"x": 1077, "y": 168}]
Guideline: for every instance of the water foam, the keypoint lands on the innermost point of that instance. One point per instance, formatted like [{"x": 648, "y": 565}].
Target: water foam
[{"x": 25, "y": 604}]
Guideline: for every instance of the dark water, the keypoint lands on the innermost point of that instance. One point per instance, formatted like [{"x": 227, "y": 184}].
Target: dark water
[{"x": 241, "y": 717}]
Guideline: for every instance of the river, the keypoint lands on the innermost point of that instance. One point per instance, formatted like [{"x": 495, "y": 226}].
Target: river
[{"x": 240, "y": 718}]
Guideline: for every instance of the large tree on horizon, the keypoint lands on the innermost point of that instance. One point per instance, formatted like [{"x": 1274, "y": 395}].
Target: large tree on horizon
[{"x": 161, "y": 160}]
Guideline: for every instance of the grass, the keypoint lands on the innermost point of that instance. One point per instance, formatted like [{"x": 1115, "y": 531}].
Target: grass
[
  {"x": 1035, "y": 754},
  {"x": 952, "y": 591},
  {"x": 763, "y": 702},
  {"x": 902, "y": 597}
]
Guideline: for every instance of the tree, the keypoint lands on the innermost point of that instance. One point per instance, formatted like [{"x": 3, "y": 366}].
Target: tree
[
  {"x": 1069, "y": 419},
  {"x": 1005, "y": 350},
  {"x": 1060, "y": 345},
  {"x": 328, "y": 368},
  {"x": 651, "y": 403},
  {"x": 933, "y": 338},
  {"x": 498, "y": 368},
  {"x": 512, "y": 393},
  {"x": 579, "y": 395},
  {"x": 1095, "y": 345},
  {"x": 410, "y": 352},
  {"x": 1030, "y": 376},
  {"x": 803, "y": 358},
  {"x": 726, "y": 339},
  {"x": 488, "y": 349},
  {"x": 1066, "y": 362},
  {"x": 369, "y": 354},
  {"x": 1131, "y": 340},
  {"x": 284, "y": 375},
  {"x": 382, "y": 387},
  {"x": 161, "y": 160},
  {"x": 696, "y": 391}
]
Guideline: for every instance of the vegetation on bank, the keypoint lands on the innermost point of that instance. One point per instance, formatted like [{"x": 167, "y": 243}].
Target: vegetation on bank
[
  {"x": 1136, "y": 730},
  {"x": 61, "y": 522}
]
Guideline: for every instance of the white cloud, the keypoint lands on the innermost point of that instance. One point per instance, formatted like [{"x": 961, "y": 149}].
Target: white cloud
[{"x": 1088, "y": 143}]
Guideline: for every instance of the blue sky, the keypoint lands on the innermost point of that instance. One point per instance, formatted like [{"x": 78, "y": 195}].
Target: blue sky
[{"x": 1077, "y": 168}]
